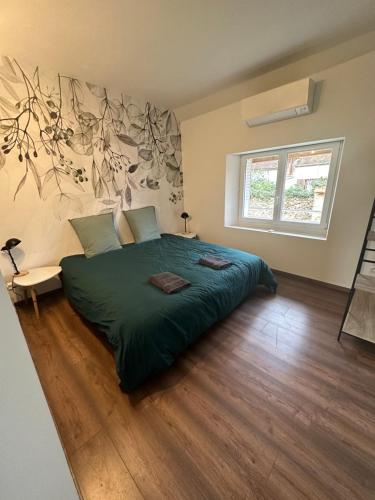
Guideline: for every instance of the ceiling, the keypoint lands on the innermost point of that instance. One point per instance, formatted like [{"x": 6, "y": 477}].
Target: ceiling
[{"x": 173, "y": 52}]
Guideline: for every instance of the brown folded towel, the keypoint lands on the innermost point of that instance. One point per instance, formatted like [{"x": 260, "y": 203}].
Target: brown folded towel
[
  {"x": 214, "y": 262},
  {"x": 169, "y": 282}
]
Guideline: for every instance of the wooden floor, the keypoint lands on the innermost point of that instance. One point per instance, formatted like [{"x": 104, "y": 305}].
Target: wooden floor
[{"x": 266, "y": 405}]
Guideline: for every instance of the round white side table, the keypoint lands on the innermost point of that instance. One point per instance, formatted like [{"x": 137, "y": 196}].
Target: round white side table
[{"x": 33, "y": 278}]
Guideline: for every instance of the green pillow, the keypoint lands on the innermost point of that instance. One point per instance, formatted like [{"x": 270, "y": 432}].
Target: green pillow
[
  {"x": 142, "y": 222},
  {"x": 96, "y": 233}
]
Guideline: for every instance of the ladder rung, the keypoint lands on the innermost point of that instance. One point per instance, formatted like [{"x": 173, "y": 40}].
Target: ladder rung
[
  {"x": 370, "y": 261},
  {"x": 369, "y": 249}
]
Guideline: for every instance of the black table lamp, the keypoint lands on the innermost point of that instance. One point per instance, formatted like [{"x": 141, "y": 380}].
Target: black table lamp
[
  {"x": 185, "y": 216},
  {"x": 13, "y": 242}
]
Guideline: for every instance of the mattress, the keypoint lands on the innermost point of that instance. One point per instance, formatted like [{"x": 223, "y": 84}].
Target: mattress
[{"x": 146, "y": 327}]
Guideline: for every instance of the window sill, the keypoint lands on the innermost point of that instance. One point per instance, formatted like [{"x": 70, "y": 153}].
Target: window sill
[{"x": 280, "y": 233}]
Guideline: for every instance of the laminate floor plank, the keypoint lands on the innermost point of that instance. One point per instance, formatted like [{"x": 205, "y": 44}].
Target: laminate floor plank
[
  {"x": 280, "y": 422},
  {"x": 237, "y": 458},
  {"x": 102, "y": 473},
  {"x": 157, "y": 458},
  {"x": 265, "y": 405}
]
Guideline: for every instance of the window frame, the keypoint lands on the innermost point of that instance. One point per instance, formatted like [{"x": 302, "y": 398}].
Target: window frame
[{"x": 276, "y": 224}]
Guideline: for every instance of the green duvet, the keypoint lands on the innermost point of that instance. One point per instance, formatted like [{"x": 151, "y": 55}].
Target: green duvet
[{"x": 147, "y": 327}]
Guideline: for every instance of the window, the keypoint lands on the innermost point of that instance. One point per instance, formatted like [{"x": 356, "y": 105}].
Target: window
[{"x": 289, "y": 189}]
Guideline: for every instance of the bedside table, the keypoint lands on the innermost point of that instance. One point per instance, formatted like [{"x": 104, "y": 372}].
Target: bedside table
[
  {"x": 191, "y": 236},
  {"x": 34, "y": 277}
]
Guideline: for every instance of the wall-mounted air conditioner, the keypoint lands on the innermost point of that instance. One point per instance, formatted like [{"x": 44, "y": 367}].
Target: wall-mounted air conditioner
[{"x": 288, "y": 101}]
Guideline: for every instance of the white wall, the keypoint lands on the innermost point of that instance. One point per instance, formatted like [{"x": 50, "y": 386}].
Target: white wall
[
  {"x": 32, "y": 461},
  {"x": 345, "y": 108}
]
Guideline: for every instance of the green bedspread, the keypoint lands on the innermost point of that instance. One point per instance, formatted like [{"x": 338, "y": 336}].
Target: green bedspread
[{"x": 146, "y": 327}]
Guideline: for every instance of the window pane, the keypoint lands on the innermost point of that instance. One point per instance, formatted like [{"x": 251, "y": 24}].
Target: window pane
[
  {"x": 305, "y": 185},
  {"x": 260, "y": 187}
]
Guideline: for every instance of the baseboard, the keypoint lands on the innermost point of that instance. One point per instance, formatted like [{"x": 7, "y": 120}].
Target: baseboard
[{"x": 312, "y": 281}]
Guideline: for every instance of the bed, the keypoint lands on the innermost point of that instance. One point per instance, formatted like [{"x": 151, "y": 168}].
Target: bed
[{"x": 146, "y": 327}]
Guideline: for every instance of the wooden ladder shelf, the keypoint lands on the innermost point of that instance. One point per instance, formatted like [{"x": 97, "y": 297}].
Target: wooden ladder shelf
[{"x": 359, "y": 316}]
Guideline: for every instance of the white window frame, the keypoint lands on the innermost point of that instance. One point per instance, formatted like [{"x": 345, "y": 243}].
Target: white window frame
[{"x": 276, "y": 225}]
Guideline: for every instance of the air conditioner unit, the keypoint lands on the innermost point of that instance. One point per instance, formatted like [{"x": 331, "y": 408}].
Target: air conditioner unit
[{"x": 288, "y": 101}]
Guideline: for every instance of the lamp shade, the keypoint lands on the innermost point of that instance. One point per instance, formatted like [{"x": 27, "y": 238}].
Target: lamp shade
[
  {"x": 11, "y": 243},
  {"x": 184, "y": 215}
]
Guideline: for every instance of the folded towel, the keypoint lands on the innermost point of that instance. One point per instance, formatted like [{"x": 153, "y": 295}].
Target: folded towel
[
  {"x": 214, "y": 262},
  {"x": 169, "y": 282}
]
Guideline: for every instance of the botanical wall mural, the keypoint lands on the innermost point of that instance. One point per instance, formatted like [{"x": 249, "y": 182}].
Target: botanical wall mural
[{"x": 72, "y": 138}]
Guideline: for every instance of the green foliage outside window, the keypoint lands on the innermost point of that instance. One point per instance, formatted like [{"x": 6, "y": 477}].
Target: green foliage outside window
[
  {"x": 263, "y": 189},
  {"x": 297, "y": 191}
]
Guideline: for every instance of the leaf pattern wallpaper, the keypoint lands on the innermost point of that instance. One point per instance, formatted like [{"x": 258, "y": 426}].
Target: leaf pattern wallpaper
[
  {"x": 71, "y": 148},
  {"x": 56, "y": 125}
]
